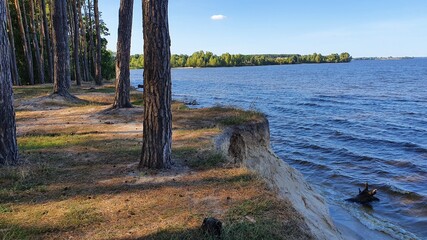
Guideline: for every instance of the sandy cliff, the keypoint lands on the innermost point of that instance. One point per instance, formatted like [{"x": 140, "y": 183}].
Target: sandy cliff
[{"x": 249, "y": 145}]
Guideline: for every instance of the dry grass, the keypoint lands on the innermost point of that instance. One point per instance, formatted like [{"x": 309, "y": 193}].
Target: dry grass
[{"x": 79, "y": 179}]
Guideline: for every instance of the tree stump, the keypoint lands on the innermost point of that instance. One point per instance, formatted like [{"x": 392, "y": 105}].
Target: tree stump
[{"x": 364, "y": 197}]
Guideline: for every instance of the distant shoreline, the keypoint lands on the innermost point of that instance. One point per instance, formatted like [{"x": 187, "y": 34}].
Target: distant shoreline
[
  {"x": 203, "y": 59},
  {"x": 383, "y": 58}
]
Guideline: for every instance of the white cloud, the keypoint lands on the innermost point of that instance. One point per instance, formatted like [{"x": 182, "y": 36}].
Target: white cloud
[{"x": 218, "y": 17}]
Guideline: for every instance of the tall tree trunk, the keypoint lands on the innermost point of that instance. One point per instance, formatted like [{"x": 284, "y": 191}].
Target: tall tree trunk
[
  {"x": 157, "y": 141},
  {"x": 91, "y": 41},
  {"x": 98, "y": 73},
  {"x": 25, "y": 42},
  {"x": 41, "y": 37},
  {"x": 14, "y": 66},
  {"x": 28, "y": 36},
  {"x": 76, "y": 44},
  {"x": 60, "y": 48},
  {"x": 8, "y": 144},
  {"x": 67, "y": 46},
  {"x": 51, "y": 36},
  {"x": 47, "y": 39},
  {"x": 33, "y": 26},
  {"x": 71, "y": 38},
  {"x": 122, "y": 97},
  {"x": 83, "y": 45}
]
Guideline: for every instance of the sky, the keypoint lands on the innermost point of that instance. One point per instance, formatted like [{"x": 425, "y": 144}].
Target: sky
[{"x": 364, "y": 28}]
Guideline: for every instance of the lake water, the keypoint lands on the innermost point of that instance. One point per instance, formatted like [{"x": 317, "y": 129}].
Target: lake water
[{"x": 341, "y": 125}]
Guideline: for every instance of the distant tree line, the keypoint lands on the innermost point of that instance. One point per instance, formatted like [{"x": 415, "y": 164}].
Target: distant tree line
[
  {"x": 30, "y": 32},
  {"x": 208, "y": 59},
  {"x": 383, "y": 58}
]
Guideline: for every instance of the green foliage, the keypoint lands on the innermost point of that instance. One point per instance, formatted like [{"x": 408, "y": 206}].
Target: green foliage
[
  {"x": 208, "y": 59},
  {"x": 107, "y": 57},
  {"x": 108, "y": 64},
  {"x": 137, "y": 61}
]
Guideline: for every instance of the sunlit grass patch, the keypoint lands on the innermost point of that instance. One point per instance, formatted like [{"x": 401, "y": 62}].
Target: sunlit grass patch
[
  {"x": 53, "y": 141},
  {"x": 240, "y": 117},
  {"x": 80, "y": 214},
  {"x": 195, "y": 134},
  {"x": 5, "y": 208}
]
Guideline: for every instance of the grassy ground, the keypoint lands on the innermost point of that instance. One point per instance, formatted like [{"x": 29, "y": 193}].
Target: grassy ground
[{"x": 78, "y": 179}]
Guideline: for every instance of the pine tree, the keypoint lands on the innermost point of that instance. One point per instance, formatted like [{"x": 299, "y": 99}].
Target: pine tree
[
  {"x": 122, "y": 97},
  {"x": 8, "y": 144},
  {"x": 157, "y": 141}
]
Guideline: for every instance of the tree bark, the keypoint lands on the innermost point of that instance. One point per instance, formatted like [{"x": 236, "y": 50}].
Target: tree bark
[
  {"x": 91, "y": 41},
  {"x": 157, "y": 141},
  {"x": 66, "y": 26},
  {"x": 47, "y": 40},
  {"x": 71, "y": 37},
  {"x": 51, "y": 36},
  {"x": 60, "y": 48},
  {"x": 28, "y": 36},
  {"x": 14, "y": 66},
  {"x": 8, "y": 144},
  {"x": 76, "y": 39},
  {"x": 98, "y": 74},
  {"x": 83, "y": 45},
  {"x": 41, "y": 37},
  {"x": 33, "y": 26},
  {"x": 25, "y": 42},
  {"x": 122, "y": 97}
]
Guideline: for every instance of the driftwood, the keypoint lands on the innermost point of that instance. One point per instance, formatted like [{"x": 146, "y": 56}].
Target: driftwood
[
  {"x": 212, "y": 226},
  {"x": 364, "y": 197}
]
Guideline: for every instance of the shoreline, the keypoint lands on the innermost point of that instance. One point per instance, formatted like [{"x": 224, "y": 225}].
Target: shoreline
[{"x": 248, "y": 144}]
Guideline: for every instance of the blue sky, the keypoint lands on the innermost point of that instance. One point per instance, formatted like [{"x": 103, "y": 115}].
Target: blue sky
[{"x": 362, "y": 27}]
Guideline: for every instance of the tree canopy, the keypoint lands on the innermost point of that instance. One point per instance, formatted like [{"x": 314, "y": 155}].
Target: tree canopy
[{"x": 208, "y": 59}]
